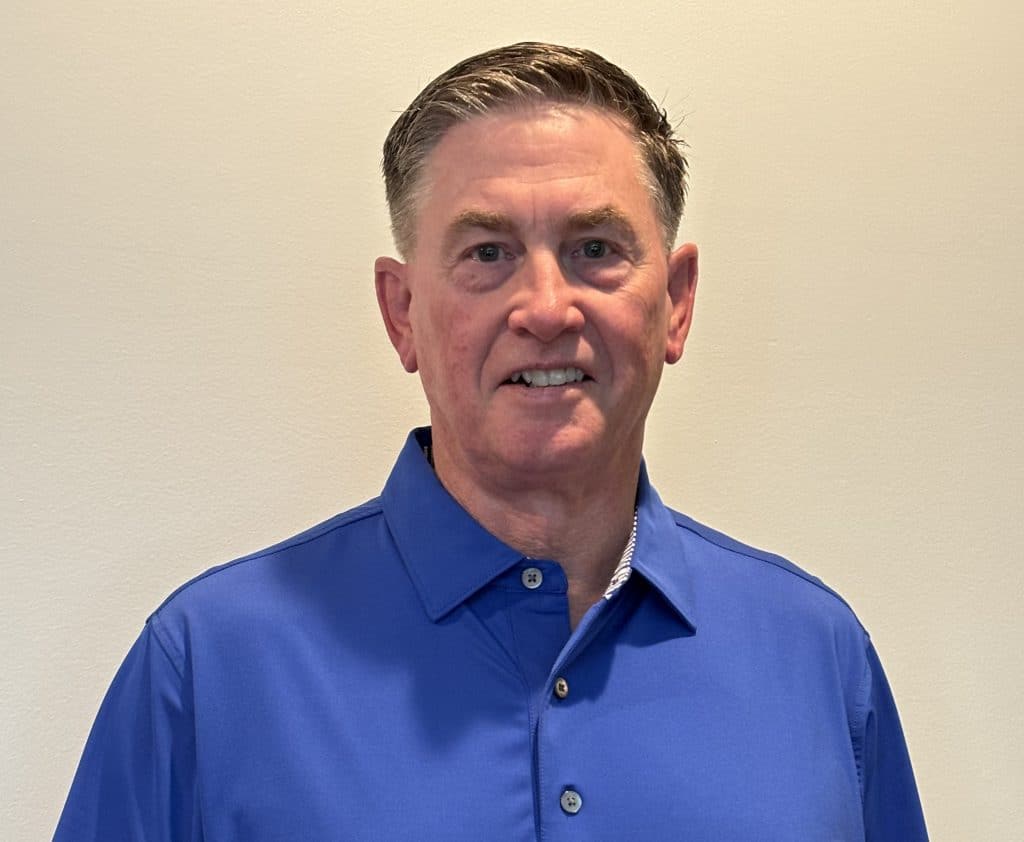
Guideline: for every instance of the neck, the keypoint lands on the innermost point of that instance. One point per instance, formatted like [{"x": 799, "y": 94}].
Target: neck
[{"x": 582, "y": 525}]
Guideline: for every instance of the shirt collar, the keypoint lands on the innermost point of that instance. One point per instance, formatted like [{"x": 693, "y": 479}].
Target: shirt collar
[
  {"x": 660, "y": 555},
  {"x": 449, "y": 556}
]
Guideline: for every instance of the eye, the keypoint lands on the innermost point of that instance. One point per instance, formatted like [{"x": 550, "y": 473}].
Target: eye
[
  {"x": 594, "y": 249},
  {"x": 488, "y": 253}
]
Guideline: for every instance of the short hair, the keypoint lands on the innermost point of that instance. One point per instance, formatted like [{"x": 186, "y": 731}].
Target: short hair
[{"x": 521, "y": 75}]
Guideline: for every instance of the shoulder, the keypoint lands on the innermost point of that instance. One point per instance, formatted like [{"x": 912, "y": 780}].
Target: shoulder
[
  {"x": 269, "y": 585},
  {"x": 761, "y": 585},
  {"x": 751, "y": 560},
  {"x": 298, "y": 549},
  {"x": 749, "y": 603}
]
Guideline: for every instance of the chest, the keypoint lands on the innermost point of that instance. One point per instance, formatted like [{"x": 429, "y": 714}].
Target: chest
[{"x": 497, "y": 724}]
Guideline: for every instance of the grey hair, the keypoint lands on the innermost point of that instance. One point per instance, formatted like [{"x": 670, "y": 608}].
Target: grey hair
[{"x": 521, "y": 75}]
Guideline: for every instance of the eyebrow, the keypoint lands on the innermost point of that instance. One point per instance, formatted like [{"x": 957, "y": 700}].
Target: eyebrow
[
  {"x": 607, "y": 215},
  {"x": 471, "y": 219}
]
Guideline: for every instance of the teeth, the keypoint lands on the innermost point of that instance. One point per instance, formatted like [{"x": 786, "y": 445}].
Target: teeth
[{"x": 536, "y": 377}]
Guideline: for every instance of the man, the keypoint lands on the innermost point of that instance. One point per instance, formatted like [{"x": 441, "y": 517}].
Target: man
[{"x": 517, "y": 640}]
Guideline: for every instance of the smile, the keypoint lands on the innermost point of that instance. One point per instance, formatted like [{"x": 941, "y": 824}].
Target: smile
[{"x": 536, "y": 377}]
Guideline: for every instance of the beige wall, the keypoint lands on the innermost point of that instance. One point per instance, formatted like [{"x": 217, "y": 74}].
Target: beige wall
[{"x": 191, "y": 365}]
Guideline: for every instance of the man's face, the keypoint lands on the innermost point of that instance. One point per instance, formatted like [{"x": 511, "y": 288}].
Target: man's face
[{"x": 539, "y": 259}]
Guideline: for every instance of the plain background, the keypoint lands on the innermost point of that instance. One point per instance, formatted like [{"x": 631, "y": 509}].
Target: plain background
[{"x": 191, "y": 364}]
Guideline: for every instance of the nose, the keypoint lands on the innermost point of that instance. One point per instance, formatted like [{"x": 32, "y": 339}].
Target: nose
[{"x": 545, "y": 302}]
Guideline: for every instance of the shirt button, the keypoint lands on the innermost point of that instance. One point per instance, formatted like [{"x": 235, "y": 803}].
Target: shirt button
[
  {"x": 561, "y": 688},
  {"x": 532, "y": 577},
  {"x": 571, "y": 801}
]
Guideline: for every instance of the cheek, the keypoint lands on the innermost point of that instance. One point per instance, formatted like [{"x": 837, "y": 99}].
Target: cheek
[
  {"x": 644, "y": 344},
  {"x": 641, "y": 325},
  {"x": 456, "y": 340},
  {"x": 656, "y": 314}
]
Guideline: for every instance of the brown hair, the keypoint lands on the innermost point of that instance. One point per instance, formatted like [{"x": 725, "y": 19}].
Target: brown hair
[{"x": 522, "y": 74}]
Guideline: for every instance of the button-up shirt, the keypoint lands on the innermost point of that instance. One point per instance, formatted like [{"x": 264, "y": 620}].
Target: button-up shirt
[{"x": 398, "y": 673}]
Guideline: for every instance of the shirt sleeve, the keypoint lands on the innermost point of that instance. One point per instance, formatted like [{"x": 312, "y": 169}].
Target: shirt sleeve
[
  {"x": 137, "y": 776},
  {"x": 892, "y": 809}
]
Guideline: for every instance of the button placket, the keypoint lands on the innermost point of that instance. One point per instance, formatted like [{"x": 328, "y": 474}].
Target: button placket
[{"x": 555, "y": 732}]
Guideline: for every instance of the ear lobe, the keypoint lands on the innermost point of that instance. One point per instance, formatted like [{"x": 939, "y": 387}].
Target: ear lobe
[
  {"x": 390, "y": 278},
  {"x": 682, "y": 288}
]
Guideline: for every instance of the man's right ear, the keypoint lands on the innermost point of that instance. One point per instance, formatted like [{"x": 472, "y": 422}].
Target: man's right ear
[{"x": 391, "y": 279}]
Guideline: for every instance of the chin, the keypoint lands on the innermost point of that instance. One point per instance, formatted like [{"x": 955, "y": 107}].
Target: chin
[{"x": 561, "y": 452}]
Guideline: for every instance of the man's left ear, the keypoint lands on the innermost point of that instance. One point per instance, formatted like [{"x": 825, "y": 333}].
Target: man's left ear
[{"x": 682, "y": 287}]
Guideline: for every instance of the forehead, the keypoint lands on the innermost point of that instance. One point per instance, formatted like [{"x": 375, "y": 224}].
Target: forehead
[{"x": 541, "y": 161}]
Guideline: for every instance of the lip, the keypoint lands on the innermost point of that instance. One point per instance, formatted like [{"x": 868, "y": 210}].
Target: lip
[
  {"x": 519, "y": 394},
  {"x": 548, "y": 366}
]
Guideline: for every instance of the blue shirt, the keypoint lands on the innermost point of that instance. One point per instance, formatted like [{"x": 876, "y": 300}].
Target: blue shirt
[{"x": 398, "y": 673}]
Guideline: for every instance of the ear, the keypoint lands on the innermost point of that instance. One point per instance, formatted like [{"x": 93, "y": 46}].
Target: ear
[
  {"x": 391, "y": 279},
  {"x": 682, "y": 287}
]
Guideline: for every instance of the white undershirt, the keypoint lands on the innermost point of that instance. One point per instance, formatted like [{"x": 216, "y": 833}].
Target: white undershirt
[{"x": 625, "y": 565}]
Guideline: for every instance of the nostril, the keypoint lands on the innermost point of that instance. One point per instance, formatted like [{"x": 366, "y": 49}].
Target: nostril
[{"x": 546, "y": 322}]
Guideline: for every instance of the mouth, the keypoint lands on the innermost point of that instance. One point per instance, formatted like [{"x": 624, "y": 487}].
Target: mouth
[{"x": 540, "y": 378}]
